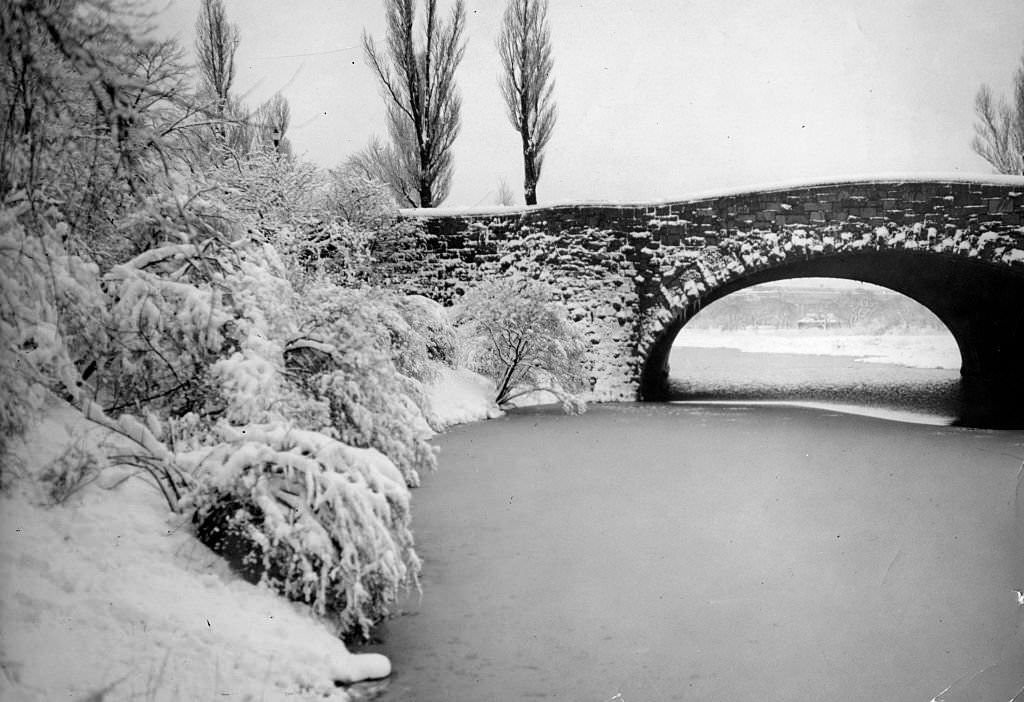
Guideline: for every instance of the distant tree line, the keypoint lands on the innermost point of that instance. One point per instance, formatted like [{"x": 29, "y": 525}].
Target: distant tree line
[{"x": 867, "y": 310}]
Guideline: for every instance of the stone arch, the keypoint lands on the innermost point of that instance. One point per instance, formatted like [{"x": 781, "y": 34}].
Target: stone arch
[{"x": 980, "y": 302}]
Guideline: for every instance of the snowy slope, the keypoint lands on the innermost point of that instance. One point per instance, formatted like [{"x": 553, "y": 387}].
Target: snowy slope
[{"x": 110, "y": 591}]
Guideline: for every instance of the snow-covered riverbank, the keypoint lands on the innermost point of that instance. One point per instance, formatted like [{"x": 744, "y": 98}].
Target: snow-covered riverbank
[
  {"x": 110, "y": 591},
  {"x": 912, "y": 350}
]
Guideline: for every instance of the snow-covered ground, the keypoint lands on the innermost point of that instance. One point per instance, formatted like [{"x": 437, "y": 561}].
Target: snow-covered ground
[
  {"x": 913, "y": 350},
  {"x": 108, "y": 596},
  {"x": 458, "y": 396}
]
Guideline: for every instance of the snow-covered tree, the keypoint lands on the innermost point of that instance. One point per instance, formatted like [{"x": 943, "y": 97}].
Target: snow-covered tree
[
  {"x": 424, "y": 105},
  {"x": 999, "y": 129},
  {"x": 90, "y": 107},
  {"x": 520, "y": 337},
  {"x": 524, "y": 46}
]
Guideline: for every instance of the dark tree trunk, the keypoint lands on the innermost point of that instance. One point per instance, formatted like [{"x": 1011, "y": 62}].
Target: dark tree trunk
[
  {"x": 426, "y": 194},
  {"x": 530, "y": 176}
]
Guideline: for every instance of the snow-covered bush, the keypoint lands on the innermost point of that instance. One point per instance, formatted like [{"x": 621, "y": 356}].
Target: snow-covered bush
[
  {"x": 162, "y": 302},
  {"x": 301, "y": 386},
  {"x": 518, "y": 336},
  {"x": 52, "y": 317},
  {"x": 265, "y": 186},
  {"x": 384, "y": 249},
  {"x": 364, "y": 203},
  {"x": 325, "y": 523},
  {"x": 171, "y": 321},
  {"x": 350, "y": 353},
  {"x": 429, "y": 320},
  {"x": 79, "y": 464}
]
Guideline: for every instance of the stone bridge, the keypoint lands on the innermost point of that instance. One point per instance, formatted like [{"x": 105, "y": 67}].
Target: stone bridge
[{"x": 633, "y": 275}]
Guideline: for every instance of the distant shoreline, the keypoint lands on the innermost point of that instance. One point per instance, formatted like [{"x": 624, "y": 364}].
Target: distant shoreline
[{"x": 913, "y": 349}]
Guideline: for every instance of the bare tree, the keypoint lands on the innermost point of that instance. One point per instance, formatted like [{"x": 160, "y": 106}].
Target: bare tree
[
  {"x": 89, "y": 107},
  {"x": 383, "y": 162},
  {"x": 526, "y": 83},
  {"x": 216, "y": 43},
  {"x": 272, "y": 120},
  {"x": 424, "y": 105},
  {"x": 505, "y": 196},
  {"x": 999, "y": 131}
]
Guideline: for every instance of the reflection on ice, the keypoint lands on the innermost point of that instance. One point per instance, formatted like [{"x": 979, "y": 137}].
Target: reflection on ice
[
  {"x": 859, "y": 410},
  {"x": 920, "y": 395}
]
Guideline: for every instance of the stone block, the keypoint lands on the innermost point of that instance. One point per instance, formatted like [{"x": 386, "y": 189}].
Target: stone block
[{"x": 999, "y": 204}]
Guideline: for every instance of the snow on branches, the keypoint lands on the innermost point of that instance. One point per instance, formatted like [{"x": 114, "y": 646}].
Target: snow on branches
[
  {"x": 518, "y": 336},
  {"x": 52, "y": 318},
  {"x": 360, "y": 355},
  {"x": 325, "y": 523}
]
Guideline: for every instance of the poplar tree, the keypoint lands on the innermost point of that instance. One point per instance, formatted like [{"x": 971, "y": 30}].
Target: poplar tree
[
  {"x": 524, "y": 46},
  {"x": 417, "y": 79},
  {"x": 999, "y": 131},
  {"x": 216, "y": 43}
]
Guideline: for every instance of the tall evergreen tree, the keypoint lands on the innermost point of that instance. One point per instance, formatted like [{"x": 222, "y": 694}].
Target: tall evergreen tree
[
  {"x": 424, "y": 105},
  {"x": 526, "y": 83}
]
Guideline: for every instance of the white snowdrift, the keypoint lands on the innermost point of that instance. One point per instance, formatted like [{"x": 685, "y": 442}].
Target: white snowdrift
[
  {"x": 911, "y": 350},
  {"x": 458, "y": 396}
]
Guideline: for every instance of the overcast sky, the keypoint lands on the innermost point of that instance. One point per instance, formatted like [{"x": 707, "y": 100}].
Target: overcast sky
[{"x": 659, "y": 99}]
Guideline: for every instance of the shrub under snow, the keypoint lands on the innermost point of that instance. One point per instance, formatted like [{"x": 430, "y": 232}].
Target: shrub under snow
[
  {"x": 321, "y": 521},
  {"x": 350, "y": 355},
  {"x": 302, "y": 388},
  {"x": 521, "y": 338},
  {"x": 320, "y": 398},
  {"x": 52, "y": 318}
]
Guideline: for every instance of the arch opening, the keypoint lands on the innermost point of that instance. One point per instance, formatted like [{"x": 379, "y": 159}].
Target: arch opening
[
  {"x": 981, "y": 307},
  {"x": 820, "y": 341}
]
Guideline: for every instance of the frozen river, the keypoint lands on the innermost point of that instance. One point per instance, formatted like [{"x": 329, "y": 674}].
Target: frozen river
[
  {"x": 930, "y": 395},
  {"x": 906, "y": 377},
  {"x": 641, "y": 553}
]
